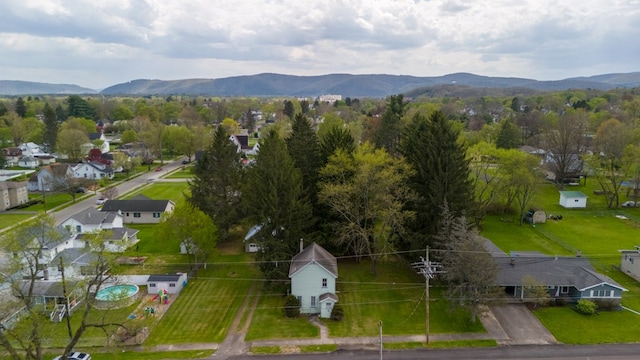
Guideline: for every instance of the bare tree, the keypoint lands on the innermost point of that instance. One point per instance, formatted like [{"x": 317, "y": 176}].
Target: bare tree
[{"x": 566, "y": 143}]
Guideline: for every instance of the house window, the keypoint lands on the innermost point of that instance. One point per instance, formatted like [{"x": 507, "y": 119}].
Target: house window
[
  {"x": 127, "y": 214},
  {"x": 152, "y": 285},
  {"x": 564, "y": 290},
  {"x": 576, "y": 200},
  {"x": 299, "y": 299},
  {"x": 313, "y": 301},
  {"x": 156, "y": 214},
  {"x": 629, "y": 259},
  {"x": 172, "y": 285},
  {"x": 324, "y": 283},
  {"x": 79, "y": 228},
  {"x": 601, "y": 293},
  {"x": 136, "y": 214}
]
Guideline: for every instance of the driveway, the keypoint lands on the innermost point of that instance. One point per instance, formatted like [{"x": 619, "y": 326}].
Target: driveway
[{"x": 521, "y": 326}]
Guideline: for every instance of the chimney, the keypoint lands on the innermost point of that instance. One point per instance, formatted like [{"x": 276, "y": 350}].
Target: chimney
[
  {"x": 513, "y": 261},
  {"x": 301, "y": 244}
]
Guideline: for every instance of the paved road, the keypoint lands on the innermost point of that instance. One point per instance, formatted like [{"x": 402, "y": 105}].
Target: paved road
[
  {"x": 123, "y": 188},
  {"x": 521, "y": 352}
]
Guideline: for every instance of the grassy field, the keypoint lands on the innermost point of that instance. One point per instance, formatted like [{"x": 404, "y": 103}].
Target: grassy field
[
  {"x": 161, "y": 191},
  {"x": 185, "y": 173},
  {"x": 8, "y": 219}
]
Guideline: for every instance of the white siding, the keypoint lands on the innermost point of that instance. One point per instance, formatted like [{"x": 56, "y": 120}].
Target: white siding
[{"x": 307, "y": 282}]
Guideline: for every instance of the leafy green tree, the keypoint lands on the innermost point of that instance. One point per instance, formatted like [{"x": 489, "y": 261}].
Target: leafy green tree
[
  {"x": 487, "y": 186},
  {"x": 85, "y": 125},
  {"x": 51, "y": 127},
  {"x": 70, "y": 142},
  {"x": 366, "y": 192},
  {"x": 215, "y": 187},
  {"x": 122, "y": 112},
  {"x": 128, "y": 136},
  {"x": 509, "y": 135},
  {"x": 173, "y": 137},
  {"x": 441, "y": 175},
  {"x": 196, "y": 231},
  {"x": 124, "y": 162},
  {"x": 520, "y": 177},
  {"x": 3, "y": 109},
  {"x": 607, "y": 163},
  {"x": 388, "y": 133},
  {"x": 469, "y": 270},
  {"x": 274, "y": 197},
  {"x": 21, "y": 107}
]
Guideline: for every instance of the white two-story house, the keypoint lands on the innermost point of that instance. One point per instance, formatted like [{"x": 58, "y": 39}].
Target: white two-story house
[{"x": 313, "y": 273}]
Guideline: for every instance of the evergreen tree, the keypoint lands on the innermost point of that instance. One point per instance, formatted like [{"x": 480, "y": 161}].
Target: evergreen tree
[
  {"x": 430, "y": 146},
  {"x": 51, "y": 127},
  {"x": 61, "y": 115},
  {"x": 388, "y": 133},
  {"x": 215, "y": 188},
  {"x": 336, "y": 138},
  {"x": 78, "y": 107},
  {"x": 289, "y": 111},
  {"x": 21, "y": 108},
  {"x": 304, "y": 148},
  {"x": 509, "y": 135},
  {"x": 274, "y": 197},
  {"x": 3, "y": 109}
]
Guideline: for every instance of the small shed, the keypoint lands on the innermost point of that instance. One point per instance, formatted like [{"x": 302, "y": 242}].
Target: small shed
[
  {"x": 573, "y": 199},
  {"x": 539, "y": 217},
  {"x": 172, "y": 283}
]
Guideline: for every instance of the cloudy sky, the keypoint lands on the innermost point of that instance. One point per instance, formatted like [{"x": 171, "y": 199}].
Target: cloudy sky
[{"x": 98, "y": 43}]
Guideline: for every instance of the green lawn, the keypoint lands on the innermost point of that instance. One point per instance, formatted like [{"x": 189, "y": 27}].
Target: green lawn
[
  {"x": 269, "y": 321},
  {"x": 162, "y": 191},
  {"x": 8, "y": 219},
  {"x": 185, "y": 173},
  {"x": 206, "y": 307}
]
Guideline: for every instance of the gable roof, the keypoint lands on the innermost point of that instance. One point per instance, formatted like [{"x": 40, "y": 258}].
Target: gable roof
[
  {"x": 136, "y": 205},
  {"x": 314, "y": 254},
  {"x": 556, "y": 271},
  {"x": 573, "y": 194},
  {"x": 5, "y": 185},
  {"x": 58, "y": 170},
  {"x": 92, "y": 216}
]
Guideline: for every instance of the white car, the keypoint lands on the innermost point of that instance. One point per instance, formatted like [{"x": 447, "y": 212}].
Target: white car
[
  {"x": 75, "y": 356},
  {"x": 630, "y": 204},
  {"x": 101, "y": 201}
]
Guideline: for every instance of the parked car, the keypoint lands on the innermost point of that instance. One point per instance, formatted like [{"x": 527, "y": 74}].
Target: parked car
[
  {"x": 81, "y": 190},
  {"x": 101, "y": 201},
  {"x": 75, "y": 356},
  {"x": 630, "y": 204},
  {"x": 159, "y": 168},
  {"x": 185, "y": 162}
]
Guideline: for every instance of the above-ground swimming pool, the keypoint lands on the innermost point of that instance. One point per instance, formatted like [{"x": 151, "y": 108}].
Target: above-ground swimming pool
[{"x": 120, "y": 295}]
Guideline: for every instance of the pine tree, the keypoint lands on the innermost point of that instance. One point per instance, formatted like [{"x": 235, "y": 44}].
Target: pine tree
[
  {"x": 273, "y": 196},
  {"x": 509, "y": 135},
  {"x": 336, "y": 138},
  {"x": 388, "y": 133},
  {"x": 21, "y": 108},
  {"x": 430, "y": 146},
  {"x": 51, "y": 127},
  {"x": 215, "y": 188},
  {"x": 304, "y": 148}
]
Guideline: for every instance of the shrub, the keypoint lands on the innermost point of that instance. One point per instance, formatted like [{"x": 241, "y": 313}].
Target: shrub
[
  {"x": 292, "y": 306},
  {"x": 586, "y": 307},
  {"x": 337, "y": 314}
]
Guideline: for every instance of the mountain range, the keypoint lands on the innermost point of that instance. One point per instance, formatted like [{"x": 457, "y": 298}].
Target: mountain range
[{"x": 374, "y": 85}]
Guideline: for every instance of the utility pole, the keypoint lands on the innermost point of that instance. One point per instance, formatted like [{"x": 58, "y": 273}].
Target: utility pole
[
  {"x": 380, "y": 324},
  {"x": 428, "y": 269}
]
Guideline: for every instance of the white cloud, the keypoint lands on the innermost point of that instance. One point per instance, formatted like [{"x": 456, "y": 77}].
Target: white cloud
[{"x": 105, "y": 42}]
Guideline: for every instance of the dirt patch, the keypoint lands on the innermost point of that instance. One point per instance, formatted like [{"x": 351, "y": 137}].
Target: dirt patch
[{"x": 289, "y": 349}]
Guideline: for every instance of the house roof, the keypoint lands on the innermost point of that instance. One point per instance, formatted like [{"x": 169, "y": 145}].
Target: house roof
[
  {"x": 92, "y": 216},
  {"x": 58, "y": 170},
  {"x": 328, "y": 296},
  {"x": 165, "y": 277},
  {"x": 75, "y": 256},
  {"x": 46, "y": 288},
  {"x": 4, "y": 185},
  {"x": 136, "y": 205},
  {"x": 314, "y": 254},
  {"x": 116, "y": 233},
  {"x": 12, "y": 151},
  {"x": 573, "y": 194},
  {"x": 556, "y": 271}
]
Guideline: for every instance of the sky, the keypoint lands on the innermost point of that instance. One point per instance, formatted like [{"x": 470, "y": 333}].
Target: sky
[{"x": 99, "y": 43}]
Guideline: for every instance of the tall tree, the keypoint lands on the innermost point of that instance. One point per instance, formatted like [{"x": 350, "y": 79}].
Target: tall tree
[
  {"x": 274, "y": 197},
  {"x": 336, "y": 138},
  {"x": 430, "y": 146},
  {"x": 566, "y": 144},
  {"x": 304, "y": 148},
  {"x": 51, "y": 127},
  {"x": 520, "y": 176},
  {"x": 470, "y": 271},
  {"x": 80, "y": 108},
  {"x": 289, "y": 110},
  {"x": 21, "y": 107},
  {"x": 70, "y": 142},
  {"x": 509, "y": 135},
  {"x": 366, "y": 192},
  {"x": 388, "y": 133},
  {"x": 215, "y": 187},
  {"x": 196, "y": 231}
]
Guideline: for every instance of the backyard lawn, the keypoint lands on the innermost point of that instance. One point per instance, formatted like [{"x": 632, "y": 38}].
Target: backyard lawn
[{"x": 163, "y": 191}]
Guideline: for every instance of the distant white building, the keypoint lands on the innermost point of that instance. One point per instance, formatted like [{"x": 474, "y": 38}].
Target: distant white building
[{"x": 329, "y": 98}]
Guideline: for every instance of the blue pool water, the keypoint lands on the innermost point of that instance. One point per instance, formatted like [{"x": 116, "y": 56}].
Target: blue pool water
[{"x": 116, "y": 292}]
